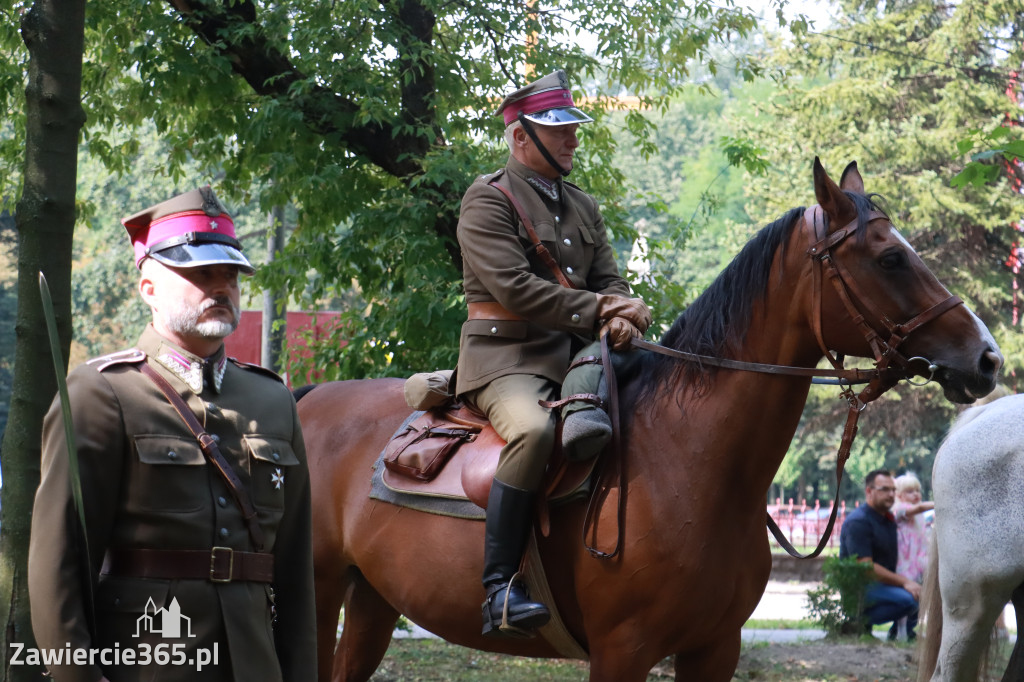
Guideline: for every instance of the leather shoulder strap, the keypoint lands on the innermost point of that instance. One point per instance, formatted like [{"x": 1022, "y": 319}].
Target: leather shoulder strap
[
  {"x": 213, "y": 455},
  {"x": 542, "y": 251}
]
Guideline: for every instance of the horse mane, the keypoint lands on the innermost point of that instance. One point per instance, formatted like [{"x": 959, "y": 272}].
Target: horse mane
[
  {"x": 716, "y": 323},
  {"x": 301, "y": 391}
]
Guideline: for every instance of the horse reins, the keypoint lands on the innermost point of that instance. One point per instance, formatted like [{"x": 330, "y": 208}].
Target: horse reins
[{"x": 890, "y": 365}]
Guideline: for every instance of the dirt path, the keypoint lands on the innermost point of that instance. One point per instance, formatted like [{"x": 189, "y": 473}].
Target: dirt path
[{"x": 822, "y": 661}]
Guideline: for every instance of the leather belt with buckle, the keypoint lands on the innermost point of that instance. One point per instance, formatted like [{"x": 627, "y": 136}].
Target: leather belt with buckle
[{"x": 218, "y": 565}]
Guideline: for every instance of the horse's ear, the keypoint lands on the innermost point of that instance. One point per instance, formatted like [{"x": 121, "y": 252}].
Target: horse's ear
[
  {"x": 831, "y": 198},
  {"x": 851, "y": 179}
]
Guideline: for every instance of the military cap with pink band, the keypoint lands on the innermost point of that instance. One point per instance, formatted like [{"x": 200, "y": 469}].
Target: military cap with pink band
[
  {"x": 187, "y": 231},
  {"x": 547, "y": 101}
]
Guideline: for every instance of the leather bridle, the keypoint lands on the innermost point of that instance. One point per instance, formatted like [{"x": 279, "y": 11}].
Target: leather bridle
[
  {"x": 891, "y": 366},
  {"x": 885, "y": 351}
]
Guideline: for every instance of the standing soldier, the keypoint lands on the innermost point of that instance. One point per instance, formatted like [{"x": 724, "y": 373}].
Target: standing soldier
[
  {"x": 541, "y": 284},
  {"x": 204, "y": 549}
]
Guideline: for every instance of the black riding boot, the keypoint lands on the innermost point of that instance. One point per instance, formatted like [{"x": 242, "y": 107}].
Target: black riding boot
[{"x": 509, "y": 516}]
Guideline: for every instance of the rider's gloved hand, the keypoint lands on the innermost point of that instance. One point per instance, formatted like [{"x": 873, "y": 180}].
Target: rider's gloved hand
[
  {"x": 634, "y": 310},
  {"x": 619, "y": 331}
]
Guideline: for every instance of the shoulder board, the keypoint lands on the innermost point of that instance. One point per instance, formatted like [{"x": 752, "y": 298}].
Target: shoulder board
[
  {"x": 256, "y": 368},
  {"x": 491, "y": 177},
  {"x": 132, "y": 356}
]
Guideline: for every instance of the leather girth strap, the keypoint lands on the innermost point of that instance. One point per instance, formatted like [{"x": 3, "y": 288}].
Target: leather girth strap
[
  {"x": 218, "y": 565},
  {"x": 542, "y": 251},
  {"x": 213, "y": 455}
]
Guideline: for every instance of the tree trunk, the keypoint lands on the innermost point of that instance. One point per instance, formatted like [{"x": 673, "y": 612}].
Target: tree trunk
[
  {"x": 53, "y": 31},
  {"x": 272, "y": 340}
]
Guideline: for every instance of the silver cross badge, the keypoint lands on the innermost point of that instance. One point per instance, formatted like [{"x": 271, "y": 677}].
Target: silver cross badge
[{"x": 277, "y": 478}]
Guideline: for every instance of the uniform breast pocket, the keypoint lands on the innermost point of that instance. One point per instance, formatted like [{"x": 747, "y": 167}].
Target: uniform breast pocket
[
  {"x": 271, "y": 462},
  {"x": 545, "y": 230},
  {"x": 170, "y": 475}
]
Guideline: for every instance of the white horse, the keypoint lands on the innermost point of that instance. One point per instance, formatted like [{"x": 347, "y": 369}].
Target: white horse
[{"x": 977, "y": 553}]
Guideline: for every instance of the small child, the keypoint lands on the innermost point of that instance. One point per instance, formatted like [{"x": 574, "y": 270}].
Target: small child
[
  {"x": 912, "y": 535},
  {"x": 911, "y": 529}
]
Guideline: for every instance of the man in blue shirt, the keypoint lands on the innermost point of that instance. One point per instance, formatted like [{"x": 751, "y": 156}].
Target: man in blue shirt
[{"x": 869, "y": 534}]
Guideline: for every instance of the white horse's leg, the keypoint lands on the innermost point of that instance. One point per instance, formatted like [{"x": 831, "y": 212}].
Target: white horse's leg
[{"x": 969, "y": 612}]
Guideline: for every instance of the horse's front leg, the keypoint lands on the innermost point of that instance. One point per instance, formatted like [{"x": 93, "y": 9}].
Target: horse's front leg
[
  {"x": 622, "y": 654},
  {"x": 714, "y": 663}
]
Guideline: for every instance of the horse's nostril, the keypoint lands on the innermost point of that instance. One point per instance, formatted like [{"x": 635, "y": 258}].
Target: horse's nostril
[{"x": 991, "y": 361}]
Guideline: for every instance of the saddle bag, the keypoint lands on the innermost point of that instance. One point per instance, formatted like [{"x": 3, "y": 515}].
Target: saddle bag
[{"x": 426, "y": 444}]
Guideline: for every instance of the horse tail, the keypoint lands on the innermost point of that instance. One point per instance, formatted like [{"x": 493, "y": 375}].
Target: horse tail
[{"x": 931, "y": 615}]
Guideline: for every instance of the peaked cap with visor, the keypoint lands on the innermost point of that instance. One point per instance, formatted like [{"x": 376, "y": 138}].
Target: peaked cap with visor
[
  {"x": 190, "y": 230},
  {"x": 547, "y": 102}
]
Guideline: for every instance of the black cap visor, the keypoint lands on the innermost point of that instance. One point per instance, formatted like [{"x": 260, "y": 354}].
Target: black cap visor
[
  {"x": 197, "y": 255},
  {"x": 558, "y": 117}
]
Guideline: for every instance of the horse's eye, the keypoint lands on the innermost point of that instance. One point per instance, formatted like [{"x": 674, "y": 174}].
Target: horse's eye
[{"x": 892, "y": 260}]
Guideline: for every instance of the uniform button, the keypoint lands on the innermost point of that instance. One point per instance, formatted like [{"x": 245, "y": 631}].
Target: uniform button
[
  {"x": 211, "y": 407},
  {"x": 557, "y": 219},
  {"x": 222, "y": 501},
  {"x": 276, "y": 456},
  {"x": 224, "y": 532},
  {"x": 576, "y": 317},
  {"x": 494, "y": 330},
  {"x": 569, "y": 270},
  {"x": 172, "y": 455},
  {"x": 567, "y": 241},
  {"x": 215, "y": 437}
]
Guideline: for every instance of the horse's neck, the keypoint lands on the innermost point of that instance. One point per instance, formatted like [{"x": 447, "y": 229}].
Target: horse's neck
[
  {"x": 731, "y": 440},
  {"x": 734, "y": 438}
]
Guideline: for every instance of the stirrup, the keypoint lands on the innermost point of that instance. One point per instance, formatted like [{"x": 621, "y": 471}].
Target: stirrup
[{"x": 504, "y": 627}]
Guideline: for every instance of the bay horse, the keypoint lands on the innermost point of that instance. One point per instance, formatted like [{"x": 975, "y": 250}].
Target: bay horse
[
  {"x": 976, "y": 565},
  {"x": 701, "y": 448}
]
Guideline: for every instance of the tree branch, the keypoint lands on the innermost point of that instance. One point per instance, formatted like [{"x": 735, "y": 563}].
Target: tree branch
[{"x": 271, "y": 74}]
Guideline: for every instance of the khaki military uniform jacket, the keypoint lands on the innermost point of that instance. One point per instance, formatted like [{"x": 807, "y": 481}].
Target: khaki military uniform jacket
[
  {"x": 147, "y": 485},
  {"x": 499, "y": 265}
]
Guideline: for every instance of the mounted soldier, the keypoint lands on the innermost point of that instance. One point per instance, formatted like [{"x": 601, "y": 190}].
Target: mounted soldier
[{"x": 541, "y": 285}]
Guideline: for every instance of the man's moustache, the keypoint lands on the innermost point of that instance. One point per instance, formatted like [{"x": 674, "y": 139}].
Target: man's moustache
[{"x": 220, "y": 301}]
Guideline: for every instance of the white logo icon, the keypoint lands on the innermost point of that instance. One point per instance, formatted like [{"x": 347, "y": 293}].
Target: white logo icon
[{"x": 166, "y": 622}]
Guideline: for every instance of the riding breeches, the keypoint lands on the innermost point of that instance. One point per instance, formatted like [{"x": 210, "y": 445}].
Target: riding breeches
[{"x": 511, "y": 404}]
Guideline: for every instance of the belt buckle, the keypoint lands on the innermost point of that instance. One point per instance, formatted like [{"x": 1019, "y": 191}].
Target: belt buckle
[{"x": 213, "y": 564}]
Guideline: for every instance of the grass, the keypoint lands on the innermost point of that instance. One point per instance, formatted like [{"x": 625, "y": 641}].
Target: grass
[
  {"x": 780, "y": 624},
  {"x": 806, "y": 548}
]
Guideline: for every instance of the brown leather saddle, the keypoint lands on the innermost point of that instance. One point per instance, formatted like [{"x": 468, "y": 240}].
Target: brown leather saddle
[{"x": 467, "y": 471}]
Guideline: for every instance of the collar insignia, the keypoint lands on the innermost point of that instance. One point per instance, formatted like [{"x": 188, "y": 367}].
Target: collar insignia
[
  {"x": 546, "y": 187},
  {"x": 192, "y": 371},
  {"x": 189, "y": 371},
  {"x": 217, "y": 371}
]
